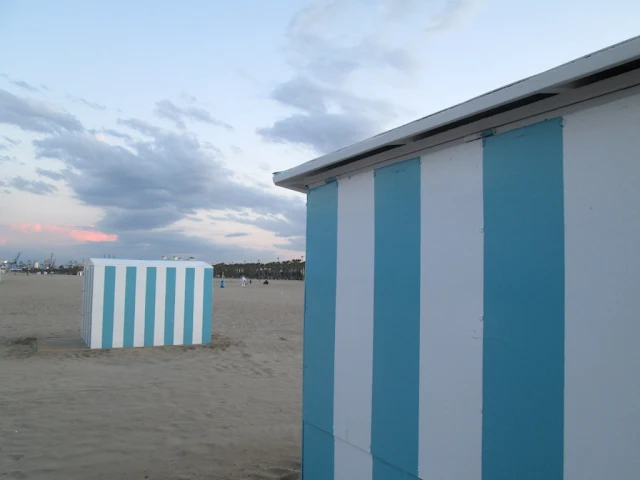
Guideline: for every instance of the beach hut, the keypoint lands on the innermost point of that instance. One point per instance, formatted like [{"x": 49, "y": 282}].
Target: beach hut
[
  {"x": 472, "y": 306},
  {"x": 145, "y": 303}
]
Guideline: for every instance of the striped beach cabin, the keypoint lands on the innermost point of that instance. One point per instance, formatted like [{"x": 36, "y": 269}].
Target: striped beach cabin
[
  {"x": 146, "y": 303},
  {"x": 473, "y": 287}
]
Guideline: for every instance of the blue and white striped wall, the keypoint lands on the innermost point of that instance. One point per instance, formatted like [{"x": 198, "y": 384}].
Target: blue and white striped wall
[
  {"x": 131, "y": 303},
  {"x": 474, "y": 313}
]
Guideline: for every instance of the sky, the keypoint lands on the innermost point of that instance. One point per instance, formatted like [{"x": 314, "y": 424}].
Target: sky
[{"x": 142, "y": 129}]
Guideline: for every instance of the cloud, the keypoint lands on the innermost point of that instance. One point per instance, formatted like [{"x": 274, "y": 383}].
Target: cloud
[
  {"x": 324, "y": 44},
  {"x": 24, "y": 85},
  {"x": 234, "y": 235},
  {"x": 83, "y": 101},
  {"x": 155, "y": 244},
  {"x": 116, "y": 133},
  {"x": 454, "y": 14},
  {"x": 10, "y": 141},
  {"x": 157, "y": 178},
  {"x": 178, "y": 115},
  {"x": 316, "y": 126},
  {"x": 35, "y": 116},
  {"x": 7, "y": 158},
  {"x": 123, "y": 219},
  {"x": 53, "y": 175},
  {"x": 326, "y": 51},
  {"x": 140, "y": 126},
  {"x": 188, "y": 98},
  {"x": 236, "y": 150},
  {"x": 37, "y": 187},
  {"x": 251, "y": 79},
  {"x": 296, "y": 244},
  {"x": 264, "y": 166},
  {"x": 135, "y": 244},
  {"x": 323, "y": 132},
  {"x": 215, "y": 150},
  {"x": 79, "y": 234},
  {"x": 292, "y": 224},
  {"x": 155, "y": 181}
]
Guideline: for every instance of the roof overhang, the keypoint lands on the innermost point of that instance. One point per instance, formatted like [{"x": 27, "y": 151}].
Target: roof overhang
[{"x": 478, "y": 112}]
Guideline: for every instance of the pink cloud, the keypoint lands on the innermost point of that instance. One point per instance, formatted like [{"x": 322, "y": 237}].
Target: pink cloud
[{"x": 76, "y": 234}]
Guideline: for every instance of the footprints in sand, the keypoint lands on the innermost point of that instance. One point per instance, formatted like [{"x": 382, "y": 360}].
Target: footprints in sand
[
  {"x": 19, "y": 348},
  {"x": 286, "y": 470},
  {"x": 248, "y": 367}
]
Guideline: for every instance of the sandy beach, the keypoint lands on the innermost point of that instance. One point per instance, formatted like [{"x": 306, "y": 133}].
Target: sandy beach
[{"x": 226, "y": 411}]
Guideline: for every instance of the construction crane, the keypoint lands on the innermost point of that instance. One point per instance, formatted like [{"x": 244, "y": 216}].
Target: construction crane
[
  {"x": 51, "y": 262},
  {"x": 14, "y": 265}
]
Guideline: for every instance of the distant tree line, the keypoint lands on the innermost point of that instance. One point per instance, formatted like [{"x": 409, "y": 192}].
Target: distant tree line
[
  {"x": 69, "y": 269},
  {"x": 286, "y": 270},
  {"x": 59, "y": 270}
]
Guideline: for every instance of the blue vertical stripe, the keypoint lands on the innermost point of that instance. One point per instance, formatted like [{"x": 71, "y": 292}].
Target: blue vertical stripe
[
  {"x": 150, "y": 307},
  {"x": 383, "y": 470},
  {"x": 207, "y": 307},
  {"x": 129, "y": 306},
  {"x": 189, "y": 285},
  {"x": 523, "y": 357},
  {"x": 108, "y": 306},
  {"x": 319, "y": 332},
  {"x": 396, "y": 319},
  {"x": 317, "y": 453},
  {"x": 170, "y": 306}
]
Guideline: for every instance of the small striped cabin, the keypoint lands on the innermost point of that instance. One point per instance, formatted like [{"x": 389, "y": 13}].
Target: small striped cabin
[
  {"x": 472, "y": 304},
  {"x": 146, "y": 303}
]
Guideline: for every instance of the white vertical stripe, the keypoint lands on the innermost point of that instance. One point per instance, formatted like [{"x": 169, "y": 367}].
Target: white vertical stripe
[
  {"x": 118, "y": 306},
  {"x": 91, "y": 304},
  {"x": 602, "y": 286},
  {"x": 87, "y": 300},
  {"x": 141, "y": 296},
  {"x": 161, "y": 288},
  {"x": 354, "y": 313},
  {"x": 97, "y": 312},
  {"x": 351, "y": 463},
  {"x": 198, "y": 298},
  {"x": 88, "y": 272},
  {"x": 178, "y": 322},
  {"x": 451, "y": 308},
  {"x": 84, "y": 309}
]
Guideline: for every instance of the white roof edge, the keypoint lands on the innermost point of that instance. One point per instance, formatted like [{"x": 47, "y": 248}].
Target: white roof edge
[
  {"x": 131, "y": 262},
  {"x": 601, "y": 60}
]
